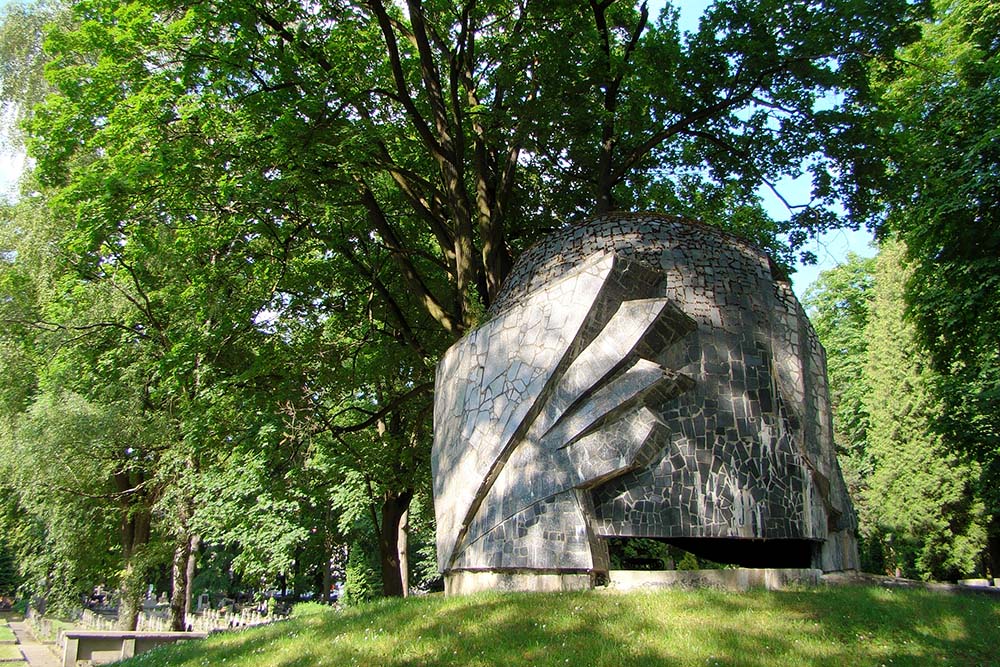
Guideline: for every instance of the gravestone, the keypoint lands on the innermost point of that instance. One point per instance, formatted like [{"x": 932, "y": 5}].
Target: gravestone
[{"x": 639, "y": 375}]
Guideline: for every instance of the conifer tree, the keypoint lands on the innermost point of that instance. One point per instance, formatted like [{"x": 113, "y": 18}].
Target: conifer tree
[{"x": 919, "y": 502}]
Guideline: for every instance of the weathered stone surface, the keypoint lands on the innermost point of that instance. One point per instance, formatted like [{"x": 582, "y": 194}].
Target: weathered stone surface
[
  {"x": 466, "y": 582},
  {"x": 737, "y": 579},
  {"x": 640, "y": 375}
]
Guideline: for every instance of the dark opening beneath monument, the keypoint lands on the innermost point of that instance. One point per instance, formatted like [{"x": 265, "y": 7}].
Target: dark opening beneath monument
[
  {"x": 704, "y": 552},
  {"x": 750, "y": 553}
]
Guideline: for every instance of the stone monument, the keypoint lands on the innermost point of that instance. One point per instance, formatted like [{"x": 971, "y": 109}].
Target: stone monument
[{"x": 640, "y": 375}]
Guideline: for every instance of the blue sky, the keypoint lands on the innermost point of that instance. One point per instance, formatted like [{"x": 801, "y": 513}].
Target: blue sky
[
  {"x": 10, "y": 163},
  {"x": 10, "y": 167},
  {"x": 830, "y": 249}
]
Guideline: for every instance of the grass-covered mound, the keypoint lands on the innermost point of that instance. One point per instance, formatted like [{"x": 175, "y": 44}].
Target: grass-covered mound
[{"x": 830, "y": 627}]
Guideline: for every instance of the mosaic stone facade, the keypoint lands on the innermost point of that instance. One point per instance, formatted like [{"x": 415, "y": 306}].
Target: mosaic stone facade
[{"x": 639, "y": 376}]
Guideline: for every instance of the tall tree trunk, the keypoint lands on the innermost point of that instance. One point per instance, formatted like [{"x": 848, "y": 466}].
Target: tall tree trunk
[
  {"x": 136, "y": 519},
  {"x": 192, "y": 563},
  {"x": 179, "y": 594},
  {"x": 402, "y": 546},
  {"x": 135, "y": 536},
  {"x": 327, "y": 578},
  {"x": 328, "y": 547},
  {"x": 130, "y": 598},
  {"x": 182, "y": 573},
  {"x": 496, "y": 258},
  {"x": 394, "y": 507},
  {"x": 607, "y": 175}
]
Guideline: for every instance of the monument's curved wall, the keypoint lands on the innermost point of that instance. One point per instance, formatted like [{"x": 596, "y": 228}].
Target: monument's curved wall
[{"x": 640, "y": 375}]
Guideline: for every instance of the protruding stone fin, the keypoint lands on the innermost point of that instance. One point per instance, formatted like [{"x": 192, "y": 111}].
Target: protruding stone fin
[{"x": 600, "y": 378}]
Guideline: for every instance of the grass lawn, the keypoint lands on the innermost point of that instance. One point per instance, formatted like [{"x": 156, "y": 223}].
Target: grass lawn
[
  {"x": 9, "y": 653},
  {"x": 55, "y": 626},
  {"x": 6, "y": 634},
  {"x": 830, "y": 627}
]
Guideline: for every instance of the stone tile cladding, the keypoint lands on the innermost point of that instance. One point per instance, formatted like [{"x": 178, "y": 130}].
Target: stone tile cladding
[{"x": 640, "y": 375}]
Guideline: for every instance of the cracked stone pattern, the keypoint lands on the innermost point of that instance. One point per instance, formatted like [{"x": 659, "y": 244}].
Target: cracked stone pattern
[{"x": 640, "y": 375}]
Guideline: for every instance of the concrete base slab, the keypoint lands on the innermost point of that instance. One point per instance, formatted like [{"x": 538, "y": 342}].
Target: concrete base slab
[
  {"x": 466, "y": 582},
  {"x": 738, "y": 579}
]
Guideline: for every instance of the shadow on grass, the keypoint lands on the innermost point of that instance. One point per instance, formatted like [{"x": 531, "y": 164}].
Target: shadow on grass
[
  {"x": 822, "y": 627},
  {"x": 853, "y": 626}
]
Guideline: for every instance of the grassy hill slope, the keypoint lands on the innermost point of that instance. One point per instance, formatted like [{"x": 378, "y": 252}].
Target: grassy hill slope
[{"x": 827, "y": 626}]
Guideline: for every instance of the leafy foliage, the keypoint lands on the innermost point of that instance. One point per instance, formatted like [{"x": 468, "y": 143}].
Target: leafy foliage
[
  {"x": 839, "y": 305},
  {"x": 361, "y": 582},
  {"x": 941, "y": 139},
  {"x": 22, "y": 80},
  {"x": 921, "y": 495},
  {"x": 254, "y": 227},
  {"x": 10, "y": 578},
  {"x": 919, "y": 504}
]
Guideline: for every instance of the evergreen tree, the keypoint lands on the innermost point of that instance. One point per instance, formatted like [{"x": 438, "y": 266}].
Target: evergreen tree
[
  {"x": 838, "y": 304},
  {"x": 920, "y": 503}
]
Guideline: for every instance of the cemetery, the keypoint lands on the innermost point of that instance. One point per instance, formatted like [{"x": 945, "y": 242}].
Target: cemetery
[{"x": 521, "y": 332}]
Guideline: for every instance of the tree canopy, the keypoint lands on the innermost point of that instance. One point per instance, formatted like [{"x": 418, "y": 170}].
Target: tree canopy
[
  {"x": 919, "y": 496},
  {"x": 253, "y": 227}
]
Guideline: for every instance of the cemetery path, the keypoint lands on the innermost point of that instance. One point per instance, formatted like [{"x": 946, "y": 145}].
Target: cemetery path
[{"x": 36, "y": 653}]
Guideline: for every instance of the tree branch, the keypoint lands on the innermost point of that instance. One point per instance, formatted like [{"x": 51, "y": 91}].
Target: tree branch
[
  {"x": 44, "y": 325},
  {"x": 409, "y": 272},
  {"x": 290, "y": 38},
  {"x": 397, "y": 312},
  {"x": 399, "y": 77},
  {"x": 373, "y": 418}
]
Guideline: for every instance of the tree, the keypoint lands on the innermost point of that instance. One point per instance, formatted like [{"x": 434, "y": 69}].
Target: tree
[
  {"x": 941, "y": 113},
  {"x": 839, "y": 304},
  {"x": 22, "y": 81},
  {"x": 839, "y": 307},
  {"x": 462, "y": 108},
  {"x": 10, "y": 580},
  {"x": 367, "y": 422},
  {"x": 75, "y": 477},
  {"x": 79, "y": 445},
  {"x": 921, "y": 500}
]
